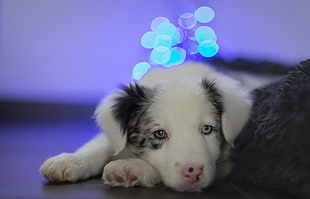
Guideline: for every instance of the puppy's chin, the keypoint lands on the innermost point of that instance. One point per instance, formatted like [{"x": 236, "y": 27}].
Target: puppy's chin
[
  {"x": 188, "y": 189},
  {"x": 182, "y": 187}
]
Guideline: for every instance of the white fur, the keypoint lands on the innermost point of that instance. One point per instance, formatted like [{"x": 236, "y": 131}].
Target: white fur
[
  {"x": 131, "y": 166},
  {"x": 181, "y": 108}
]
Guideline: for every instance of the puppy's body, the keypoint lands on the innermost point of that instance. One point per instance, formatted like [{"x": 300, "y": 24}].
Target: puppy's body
[{"x": 175, "y": 126}]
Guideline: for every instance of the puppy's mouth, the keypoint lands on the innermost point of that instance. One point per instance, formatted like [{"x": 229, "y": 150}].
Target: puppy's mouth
[{"x": 191, "y": 187}]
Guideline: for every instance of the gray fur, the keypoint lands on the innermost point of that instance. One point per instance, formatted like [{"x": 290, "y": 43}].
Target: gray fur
[{"x": 273, "y": 149}]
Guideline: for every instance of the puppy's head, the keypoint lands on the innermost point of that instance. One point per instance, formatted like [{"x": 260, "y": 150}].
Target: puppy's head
[{"x": 179, "y": 127}]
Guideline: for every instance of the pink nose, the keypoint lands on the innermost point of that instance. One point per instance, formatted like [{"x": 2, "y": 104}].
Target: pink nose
[{"x": 191, "y": 173}]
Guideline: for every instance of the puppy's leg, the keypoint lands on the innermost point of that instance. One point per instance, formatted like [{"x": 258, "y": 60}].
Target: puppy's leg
[
  {"x": 87, "y": 161},
  {"x": 130, "y": 172}
]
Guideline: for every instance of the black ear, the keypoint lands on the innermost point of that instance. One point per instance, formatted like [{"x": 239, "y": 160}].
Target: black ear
[
  {"x": 130, "y": 103},
  {"x": 213, "y": 95}
]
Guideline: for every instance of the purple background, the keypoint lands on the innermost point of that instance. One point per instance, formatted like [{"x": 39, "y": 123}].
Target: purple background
[{"x": 75, "y": 51}]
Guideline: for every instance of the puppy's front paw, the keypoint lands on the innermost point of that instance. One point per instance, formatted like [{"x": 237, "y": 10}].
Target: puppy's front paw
[
  {"x": 64, "y": 168},
  {"x": 130, "y": 173}
]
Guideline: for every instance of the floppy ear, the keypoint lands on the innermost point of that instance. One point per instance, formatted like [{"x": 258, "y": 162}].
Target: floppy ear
[
  {"x": 232, "y": 103},
  {"x": 118, "y": 113},
  {"x": 236, "y": 107}
]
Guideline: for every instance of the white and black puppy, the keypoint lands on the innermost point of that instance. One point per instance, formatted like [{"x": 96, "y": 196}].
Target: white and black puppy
[{"x": 175, "y": 126}]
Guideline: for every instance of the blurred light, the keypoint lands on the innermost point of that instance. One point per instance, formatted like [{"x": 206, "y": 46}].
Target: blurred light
[
  {"x": 140, "y": 69},
  {"x": 204, "y": 33},
  {"x": 157, "y": 21},
  {"x": 187, "y": 20},
  {"x": 177, "y": 56},
  {"x": 164, "y": 40},
  {"x": 182, "y": 34},
  {"x": 166, "y": 29},
  {"x": 149, "y": 40},
  {"x": 177, "y": 37},
  {"x": 192, "y": 38},
  {"x": 204, "y": 14},
  {"x": 208, "y": 48},
  {"x": 160, "y": 55}
]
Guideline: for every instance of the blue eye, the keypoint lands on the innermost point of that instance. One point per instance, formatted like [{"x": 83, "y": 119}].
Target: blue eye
[{"x": 206, "y": 129}]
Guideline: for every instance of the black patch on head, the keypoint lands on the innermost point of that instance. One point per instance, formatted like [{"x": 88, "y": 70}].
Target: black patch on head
[
  {"x": 130, "y": 104},
  {"x": 142, "y": 136},
  {"x": 131, "y": 111},
  {"x": 214, "y": 96}
]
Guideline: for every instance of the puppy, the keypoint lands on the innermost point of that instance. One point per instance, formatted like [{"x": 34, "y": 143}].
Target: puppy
[{"x": 175, "y": 126}]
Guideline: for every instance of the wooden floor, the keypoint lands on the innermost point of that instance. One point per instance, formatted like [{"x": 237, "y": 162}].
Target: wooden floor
[{"x": 25, "y": 145}]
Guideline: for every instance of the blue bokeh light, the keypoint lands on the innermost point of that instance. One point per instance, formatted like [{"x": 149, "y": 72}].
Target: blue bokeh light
[
  {"x": 208, "y": 48},
  {"x": 160, "y": 55},
  {"x": 187, "y": 20},
  {"x": 164, "y": 40},
  {"x": 157, "y": 21},
  {"x": 204, "y": 14},
  {"x": 149, "y": 40},
  {"x": 140, "y": 70},
  {"x": 182, "y": 34},
  {"x": 177, "y": 37},
  {"x": 204, "y": 33},
  {"x": 166, "y": 29},
  {"x": 177, "y": 56}
]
